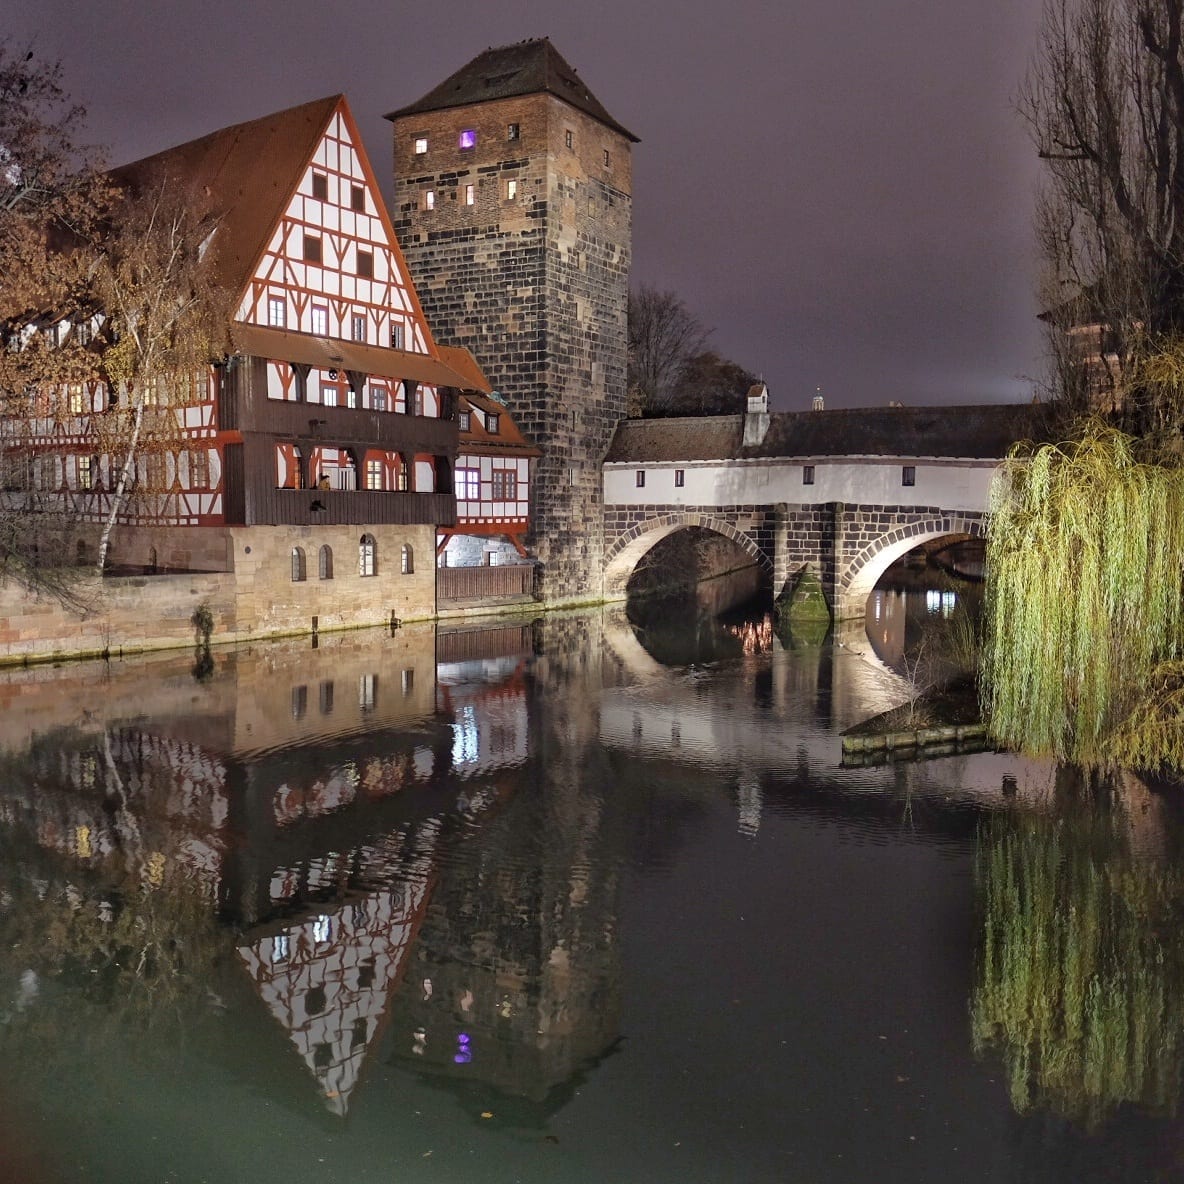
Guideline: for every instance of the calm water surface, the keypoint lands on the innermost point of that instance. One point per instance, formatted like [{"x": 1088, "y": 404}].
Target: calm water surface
[{"x": 569, "y": 900}]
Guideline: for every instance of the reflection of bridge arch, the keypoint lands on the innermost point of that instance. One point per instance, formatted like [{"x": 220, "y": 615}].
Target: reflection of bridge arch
[
  {"x": 623, "y": 556},
  {"x": 864, "y": 569}
]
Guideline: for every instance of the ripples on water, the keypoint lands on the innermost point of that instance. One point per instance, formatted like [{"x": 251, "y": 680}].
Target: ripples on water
[{"x": 576, "y": 899}]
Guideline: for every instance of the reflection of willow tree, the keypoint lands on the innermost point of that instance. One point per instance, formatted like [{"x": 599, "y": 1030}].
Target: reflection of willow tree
[
  {"x": 124, "y": 959},
  {"x": 1077, "y": 987}
]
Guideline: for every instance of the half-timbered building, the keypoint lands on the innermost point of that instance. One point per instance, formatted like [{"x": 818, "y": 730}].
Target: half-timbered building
[{"x": 315, "y": 460}]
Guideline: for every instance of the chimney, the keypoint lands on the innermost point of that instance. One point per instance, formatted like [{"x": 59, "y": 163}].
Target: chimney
[{"x": 756, "y": 420}]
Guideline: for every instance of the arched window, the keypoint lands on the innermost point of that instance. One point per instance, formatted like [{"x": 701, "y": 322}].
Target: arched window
[
  {"x": 325, "y": 563},
  {"x": 367, "y": 556},
  {"x": 407, "y": 560},
  {"x": 298, "y": 569}
]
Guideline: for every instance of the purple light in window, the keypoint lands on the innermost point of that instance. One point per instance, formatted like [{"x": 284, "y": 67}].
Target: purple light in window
[{"x": 468, "y": 138}]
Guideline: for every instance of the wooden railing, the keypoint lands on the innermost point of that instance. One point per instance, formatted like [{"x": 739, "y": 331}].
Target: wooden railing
[{"x": 484, "y": 583}]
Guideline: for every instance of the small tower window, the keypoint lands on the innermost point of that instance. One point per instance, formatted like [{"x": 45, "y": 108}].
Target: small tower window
[
  {"x": 607, "y": 159},
  {"x": 569, "y": 138},
  {"x": 512, "y": 131},
  {"x": 298, "y": 568},
  {"x": 511, "y": 189},
  {"x": 467, "y": 139},
  {"x": 429, "y": 199},
  {"x": 470, "y": 194},
  {"x": 407, "y": 560},
  {"x": 421, "y": 145}
]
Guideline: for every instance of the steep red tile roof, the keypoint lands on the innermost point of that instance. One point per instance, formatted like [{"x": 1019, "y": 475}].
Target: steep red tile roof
[{"x": 248, "y": 173}]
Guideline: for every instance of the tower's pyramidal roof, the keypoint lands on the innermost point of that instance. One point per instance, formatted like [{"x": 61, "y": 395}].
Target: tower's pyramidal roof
[{"x": 525, "y": 68}]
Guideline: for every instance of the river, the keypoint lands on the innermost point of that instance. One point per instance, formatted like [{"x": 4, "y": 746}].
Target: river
[{"x": 580, "y": 899}]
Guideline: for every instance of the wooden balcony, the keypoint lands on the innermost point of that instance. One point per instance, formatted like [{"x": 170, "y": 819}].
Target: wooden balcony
[
  {"x": 510, "y": 582},
  {"x": 340, "y": 507}
]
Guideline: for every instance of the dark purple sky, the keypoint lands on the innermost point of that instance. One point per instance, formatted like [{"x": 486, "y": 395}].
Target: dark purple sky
[{"x": 841, "y": 189}]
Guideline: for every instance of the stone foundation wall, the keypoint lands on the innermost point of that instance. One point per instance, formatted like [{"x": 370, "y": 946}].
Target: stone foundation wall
[{"x": 259, "y": 598}]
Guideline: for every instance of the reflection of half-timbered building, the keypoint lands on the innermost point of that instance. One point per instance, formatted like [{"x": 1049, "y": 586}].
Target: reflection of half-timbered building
[{"x": 319, "y": 453}]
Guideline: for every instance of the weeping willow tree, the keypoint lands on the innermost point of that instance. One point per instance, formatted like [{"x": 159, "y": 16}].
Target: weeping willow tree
[
  {"x": 1085, "y": 603},
  {"x": 1076, "y": 988}
]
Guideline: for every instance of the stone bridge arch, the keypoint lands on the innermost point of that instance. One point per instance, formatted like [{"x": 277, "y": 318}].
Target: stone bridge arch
[
  {"x": 625, "y": 551},
  {"x": 876, "y": 555}
]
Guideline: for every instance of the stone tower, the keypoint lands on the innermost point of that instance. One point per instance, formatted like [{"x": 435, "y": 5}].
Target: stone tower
[{"x": 512, "y": 203}]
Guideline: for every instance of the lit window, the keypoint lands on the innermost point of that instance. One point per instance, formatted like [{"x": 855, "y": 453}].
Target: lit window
[
  {"x": 199, "y": 470},
  {"x": 396, "y": 337},
  {"x": 403, "y": 476},
  {"x": 374, "y": 474},
  {"x": 421, "y": 145},
  {"x": 358, "y": 327},
  {"x": 366, "y": 264},
  {"x": 467, "y": 139},
  {"x": 312, "y": 248},
  {"x": 407, "y": 560},
  {"x": 468, "y": 484},
  {"x": 505, "y": 485},
  {"x": 429, "y": 199},
  {"x": 568, "y": 139},
  {"x": 357, "y": 199},
  {"x": 298, "y": 569},
  {"x": 511, "y": 189},
  {"x": 85, "y": 473},
  {"x": 639, "y": 477},
  {"x": 470, "y": 194},
  {"x": 276, "y": 312},
  {"x": 320, "y": 319},
  {"x": 493, "y": 424},
  {"x": 908, "y": 475},
  {"x": 680, "y": 478},
  {"x": 807, "y": 474},
  {"x": 320, "y": 187},
  {"x": 279, "y": 948},
  {"x": 512, "y": 131},
  {"x": 321, "y": 928},
  {"x": 76, "y": 398},
  {"x": 367, "y": 555},
  {"x": 464, "y": 421}
]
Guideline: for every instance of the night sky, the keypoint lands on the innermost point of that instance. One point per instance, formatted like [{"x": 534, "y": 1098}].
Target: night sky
[{"x": 841, "y": 189}]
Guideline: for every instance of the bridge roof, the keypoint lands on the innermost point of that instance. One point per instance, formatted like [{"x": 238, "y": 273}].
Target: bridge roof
[{"x": 982, "y": 432}]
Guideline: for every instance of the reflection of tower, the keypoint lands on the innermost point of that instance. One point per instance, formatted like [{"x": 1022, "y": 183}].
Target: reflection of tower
[
  {"x": 517, "y": 982},
  {"x": 513, "y": 208}
]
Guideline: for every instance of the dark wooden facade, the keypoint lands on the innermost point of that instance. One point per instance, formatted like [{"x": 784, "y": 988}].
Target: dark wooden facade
[{"x": 252, "y": 497}]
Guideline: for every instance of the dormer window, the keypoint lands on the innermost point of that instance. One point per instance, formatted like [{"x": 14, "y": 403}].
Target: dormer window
[
  {"x": 492, "y": 424},
  {"x": 464, "y": 421},
  {"x": 467, "y": 139}
]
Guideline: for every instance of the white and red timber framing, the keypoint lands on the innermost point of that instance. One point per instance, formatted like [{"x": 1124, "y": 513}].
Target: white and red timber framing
[{"x": 333, "y": 407}]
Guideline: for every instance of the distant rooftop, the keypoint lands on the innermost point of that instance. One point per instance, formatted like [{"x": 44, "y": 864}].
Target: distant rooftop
[
  {"x": 526, "y": 68},
  {"x": 983, "y": 432}
]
